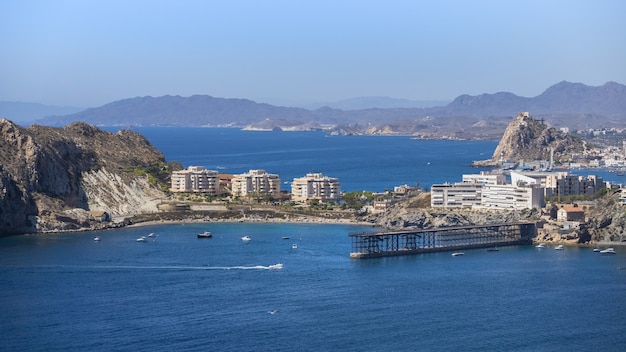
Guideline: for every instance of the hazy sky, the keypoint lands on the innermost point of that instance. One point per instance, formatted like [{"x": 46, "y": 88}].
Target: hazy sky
[{"x": 88, "y": 52}]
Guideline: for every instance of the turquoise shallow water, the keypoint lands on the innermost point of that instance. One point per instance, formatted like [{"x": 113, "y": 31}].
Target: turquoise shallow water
[{"x": 176, "y": 292}]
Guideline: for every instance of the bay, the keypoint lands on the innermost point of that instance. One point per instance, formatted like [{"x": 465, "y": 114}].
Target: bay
[
  {"x": 67, "y": 292},
  {"x": 373, "y": 163}
]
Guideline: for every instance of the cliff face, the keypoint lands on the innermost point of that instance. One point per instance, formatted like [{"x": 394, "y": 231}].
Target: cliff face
[
  {"x": 50, "y": 178},
  {"x": 529, "y": 139}
]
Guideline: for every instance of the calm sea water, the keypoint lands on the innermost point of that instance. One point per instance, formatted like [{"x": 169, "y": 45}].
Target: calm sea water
[
  {"x": 66, "y": 292},
  {"x": 374, "y": 163}
]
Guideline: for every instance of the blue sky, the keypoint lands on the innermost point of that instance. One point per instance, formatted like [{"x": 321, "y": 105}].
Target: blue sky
[{"x": 89, "y": 52}]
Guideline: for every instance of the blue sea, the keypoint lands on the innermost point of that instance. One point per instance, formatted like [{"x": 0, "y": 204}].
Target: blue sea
[{"x": 175, "y": 292}]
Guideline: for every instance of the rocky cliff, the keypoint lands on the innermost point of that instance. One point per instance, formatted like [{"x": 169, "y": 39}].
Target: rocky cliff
[
  {"x": 527, "y": 139},
  {"x": 55, "y": 178}
]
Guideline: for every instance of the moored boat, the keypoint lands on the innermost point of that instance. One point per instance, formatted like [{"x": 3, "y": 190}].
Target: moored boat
[
  {"x": 142, "y": 239},
  {"x": 541, "y": 245},
  {"x": 456, "y": 254},
  {"x": 245, "y": 238},
  {"x": 559, "y": 247}
]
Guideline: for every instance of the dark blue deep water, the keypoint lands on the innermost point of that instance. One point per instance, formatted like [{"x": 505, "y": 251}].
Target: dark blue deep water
[
  {"x": 66, "y": 292},
  {"x": 374, "y": 163}
]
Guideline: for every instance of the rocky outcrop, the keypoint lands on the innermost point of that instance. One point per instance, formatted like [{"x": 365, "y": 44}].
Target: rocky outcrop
[
  {"x": 51, "y": 178},
  {"x": 527, "y": 139}
]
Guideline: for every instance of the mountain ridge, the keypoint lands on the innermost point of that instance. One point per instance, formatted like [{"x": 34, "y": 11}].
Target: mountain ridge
[{"x": 564, "y": 104}]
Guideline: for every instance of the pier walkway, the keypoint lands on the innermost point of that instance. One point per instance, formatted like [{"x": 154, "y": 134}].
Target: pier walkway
[{"x": 384, "y": 244}]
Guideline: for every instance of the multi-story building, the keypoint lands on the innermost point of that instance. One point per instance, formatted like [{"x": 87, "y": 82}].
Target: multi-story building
[
  {"x": 195, "y": 179},
  {"x": 256, "y": 182},
  {"x": 488, "y": 190},
  {"x": 564, "y": 184},
  {"x": 486, "y": 178},
  {"x": 518, "y": 196},
  {"x": 456, "y": 195},
  {"x": 315, "y": 186}
]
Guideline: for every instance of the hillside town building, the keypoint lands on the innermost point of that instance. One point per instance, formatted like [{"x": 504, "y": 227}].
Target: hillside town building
[
  {"x": 195, "y": 179},
  {"x": 256, "y": 182},
  {"x": 315, "y": 186}
]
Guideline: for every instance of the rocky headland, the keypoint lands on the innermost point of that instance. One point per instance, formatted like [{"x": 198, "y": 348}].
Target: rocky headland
[
  {"x": 63, "y": 179},
  {"x": 528, "y": 139}
]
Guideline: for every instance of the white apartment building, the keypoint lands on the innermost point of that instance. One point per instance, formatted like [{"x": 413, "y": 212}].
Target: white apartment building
[
  {"x": 457, "y": 195},
  {"x": 565, "y": 184},
  {"x": 513, "y": 196},
  {"x": 195, "y": 179},
  {"x": 256, "y": 181},
  {"x": 315, "y": 186}
]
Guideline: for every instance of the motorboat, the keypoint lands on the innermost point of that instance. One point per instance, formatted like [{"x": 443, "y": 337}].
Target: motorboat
[
  {"x": 294, "y": 246},
  {"x": 151, "y": 234},
  {"x": 492, "y": 249},
  {"x": 541, "y": 245},
  {"x": 456, "y": 254},
  {"x": 205, "y": 234},
  {"x": 142, "y": 239},
  {"x": 245, "y": 238},
  {"x": 596, "y": 249},
  {"x": 97, "y": 238},
  {"x": 608, "y": 251},
  {"x": 276, "y": 266},
  {"x": 285, "y": 237},
  {"x": 559, "y": 247}
]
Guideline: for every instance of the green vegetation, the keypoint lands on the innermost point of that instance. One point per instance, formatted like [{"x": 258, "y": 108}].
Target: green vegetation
[
  {"x": 357, "y": 199},
  {"x": 577, "y": 197},
  {"x": 158, "y": 173}
]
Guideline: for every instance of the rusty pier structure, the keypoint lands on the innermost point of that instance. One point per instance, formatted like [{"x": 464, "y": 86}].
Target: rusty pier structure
[{"x": 393, "y": 243}]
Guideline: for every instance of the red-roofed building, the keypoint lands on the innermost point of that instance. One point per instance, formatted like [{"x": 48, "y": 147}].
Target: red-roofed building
[{"x": 571, "y": 214}]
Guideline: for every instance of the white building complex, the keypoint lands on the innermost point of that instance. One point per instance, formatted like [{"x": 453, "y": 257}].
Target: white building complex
[
  {"x": 526, "y": 190},
  {"x": 256, "y": 182},
  {"x": 315, "y": 186},
  {"x": 195, "y": 179},
  {"x": 488, "y": 191}
]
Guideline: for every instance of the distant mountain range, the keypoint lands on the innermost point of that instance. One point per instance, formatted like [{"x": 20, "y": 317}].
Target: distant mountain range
[
  {"x": 25, "y": 113},
  {"x": 564, "y": 104}
]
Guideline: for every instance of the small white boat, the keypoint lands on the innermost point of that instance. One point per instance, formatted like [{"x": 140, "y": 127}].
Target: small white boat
[
  {"x": 608, "y": 251},
  {"x": 541, "y": 245},
  {"x": 294, "y": 246},
  {"x": 245, "y": 238},
  {"x": 151, "y": 234},
  {"x": 456, "y": 254},
  {"x": 285, "y": 237},
  {"x": 276, "y": 266},
  {"x": 559, "y": 247},
  {"x": 97, "y": 238},
  {"x": 205, "y": 234},
  {"x": 142, "y": 239},
  {"x": 596, "y": 249}
]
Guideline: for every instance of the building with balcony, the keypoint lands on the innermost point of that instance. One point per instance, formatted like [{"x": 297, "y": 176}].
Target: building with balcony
[
  {"x": 315, "y": 186},
  {"x": 195, "y": 179},
  {"x": 256, "y": 182},
  {"x": 564, "y": 184}
]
